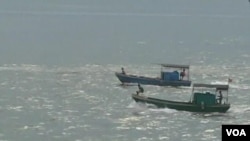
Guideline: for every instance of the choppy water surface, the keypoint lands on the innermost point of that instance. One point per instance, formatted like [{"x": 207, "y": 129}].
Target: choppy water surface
[
  {"x": 88, "y": 103},
  {"x": 58, "y": 58}
]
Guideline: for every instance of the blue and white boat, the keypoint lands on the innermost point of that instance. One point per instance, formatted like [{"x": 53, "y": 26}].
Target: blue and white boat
[{"x": 178, "y": 76}]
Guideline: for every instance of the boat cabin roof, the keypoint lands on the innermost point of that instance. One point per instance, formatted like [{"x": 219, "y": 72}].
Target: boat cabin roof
[
  {"x": 217, "y": 86},
  {"x": 175, "y": 66}
]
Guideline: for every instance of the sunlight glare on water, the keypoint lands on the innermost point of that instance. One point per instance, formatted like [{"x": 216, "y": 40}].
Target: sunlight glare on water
[{"x": 58, "y": 61}]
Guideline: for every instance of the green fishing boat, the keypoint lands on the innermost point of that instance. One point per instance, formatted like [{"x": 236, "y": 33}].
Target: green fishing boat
[{"x": 204, "y": 98}]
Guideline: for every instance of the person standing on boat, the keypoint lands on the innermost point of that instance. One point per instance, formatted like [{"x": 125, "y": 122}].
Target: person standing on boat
[
  {"x": 182, "y": 74},
  {"x": 220, "y": 97},
  {"x": 141, "y": 90},
  {"x": 123, "y": 71}
]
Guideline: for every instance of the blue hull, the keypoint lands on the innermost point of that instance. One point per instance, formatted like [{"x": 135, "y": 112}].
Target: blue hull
[{"x": 150, "y": 81}]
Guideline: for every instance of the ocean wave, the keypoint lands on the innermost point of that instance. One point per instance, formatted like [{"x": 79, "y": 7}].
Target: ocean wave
[{"x": 22, "y": 67}]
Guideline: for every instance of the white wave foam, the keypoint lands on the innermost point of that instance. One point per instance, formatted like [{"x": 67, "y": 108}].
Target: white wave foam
[
  {"x": 242, "y": 87},
  {"x": 22, "y": 67},
  {"x": 163, "y": 110},
  {"x": 239, "y": 109},
  {"x": 232, "y": 85},
  {"x": 219, "y": 82},
  {"x": 15, "y": 108},
  {"x": 137, "y": 106},
  {"x": 141, "y": 107},
  {"x": 247, "y": 109}
]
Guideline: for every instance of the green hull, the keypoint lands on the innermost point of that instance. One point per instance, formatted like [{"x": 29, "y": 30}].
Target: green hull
[{"x": 182, "y": 106}]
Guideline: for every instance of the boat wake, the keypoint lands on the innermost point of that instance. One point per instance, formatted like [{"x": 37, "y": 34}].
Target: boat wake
[
  {"x": 142, "y": 107},
  {"x": 164, "y": 110}
]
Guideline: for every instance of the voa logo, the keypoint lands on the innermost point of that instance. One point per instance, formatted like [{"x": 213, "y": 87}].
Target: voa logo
[{"x": 236, "y": 132}]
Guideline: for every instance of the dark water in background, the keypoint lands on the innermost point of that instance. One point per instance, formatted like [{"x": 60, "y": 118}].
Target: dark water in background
[{"x": 58, "y": 58}]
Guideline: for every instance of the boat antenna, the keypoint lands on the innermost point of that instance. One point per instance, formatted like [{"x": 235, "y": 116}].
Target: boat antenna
[{"x": 192, "y": 94}]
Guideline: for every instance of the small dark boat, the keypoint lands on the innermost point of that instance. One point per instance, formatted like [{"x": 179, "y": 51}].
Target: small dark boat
[
  {"x": 178, "y": 77},
  {"x": 203, "y": 99}
]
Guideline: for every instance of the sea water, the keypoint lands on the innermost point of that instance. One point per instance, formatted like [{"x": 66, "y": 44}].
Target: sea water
[{"x": 58, "y": 59}]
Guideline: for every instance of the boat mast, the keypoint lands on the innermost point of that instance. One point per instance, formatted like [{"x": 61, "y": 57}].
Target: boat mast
[
  {"x": 227, "y": 94},
  {"x": 192, "y": 95}
]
